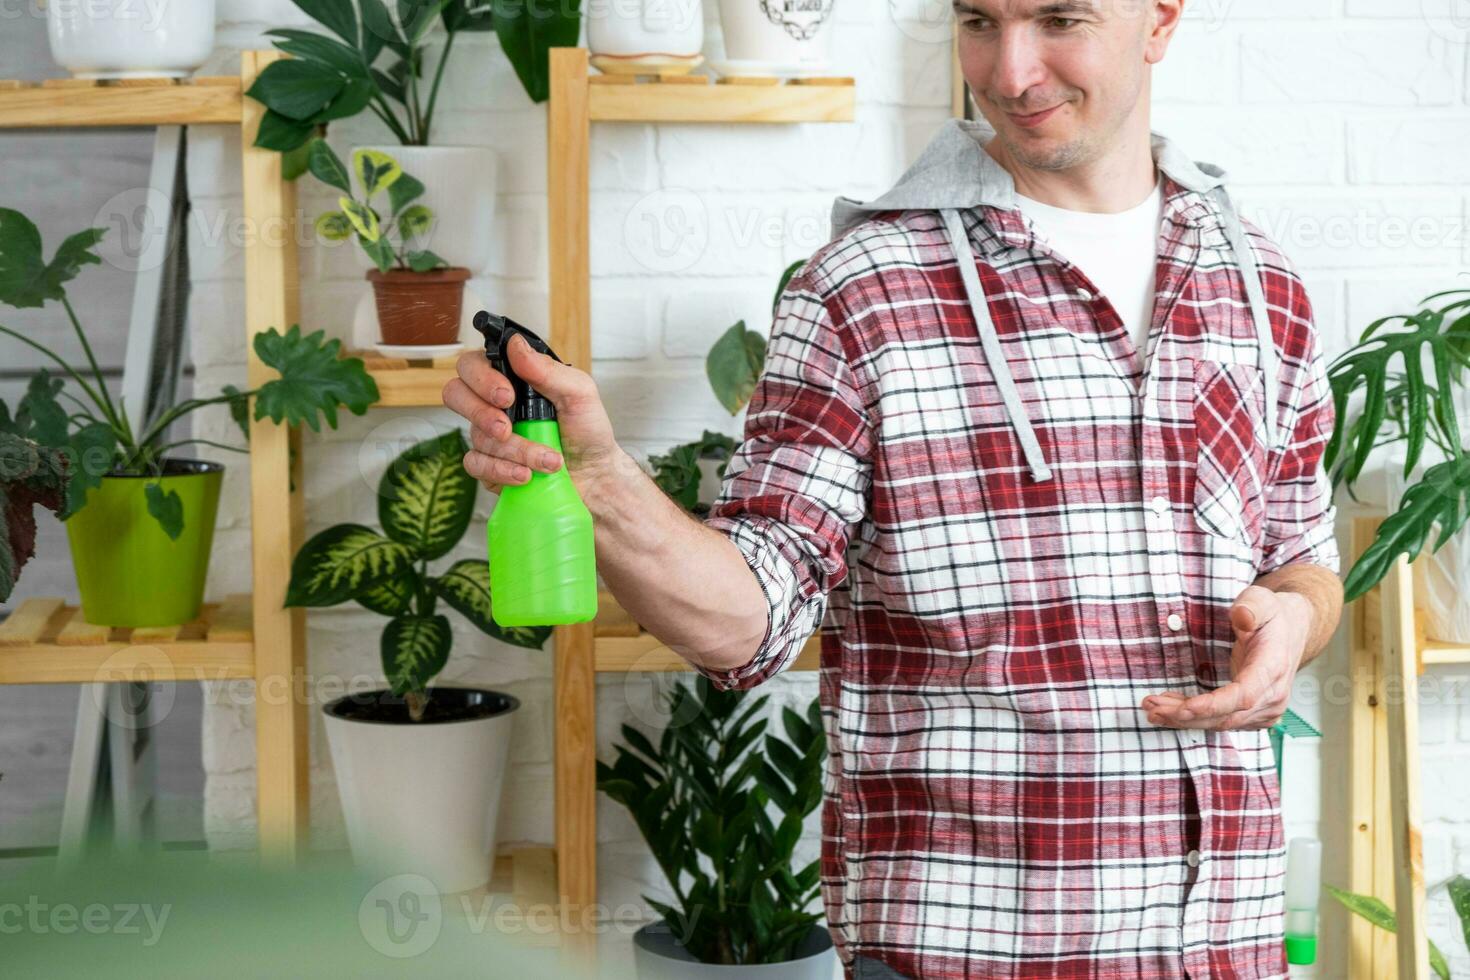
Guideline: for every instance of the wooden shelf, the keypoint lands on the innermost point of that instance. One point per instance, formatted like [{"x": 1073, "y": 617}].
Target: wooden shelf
[
  {"x": 403, "y": 383},
  {"x": 125, "y": 102},
  {"x": 524, "y": 878},
  {"x": 46, "y": 641},
  {"x": 620, "y": 645},
  {"x": 692, "y": 98}
]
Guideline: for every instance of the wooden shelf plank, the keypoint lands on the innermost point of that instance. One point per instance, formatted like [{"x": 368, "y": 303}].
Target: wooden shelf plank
[
  {"x": 48, "y": 642},
  {"x": 1442, "y": 652},
  {"x": 814, "y": 100},
  {"x": 136, "y": 102},
  {"x": 525, "y": 879},
  {"x": 408, "y": 383}
]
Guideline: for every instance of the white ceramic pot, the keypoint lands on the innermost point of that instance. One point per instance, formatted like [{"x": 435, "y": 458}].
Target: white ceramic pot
[
  {"x": 787, "y": 35},
  {"x": 422, "y": 798},
  {"x": 657, "y": 955},
  {"x": 644, "y": 30},
  {"x": 130, "y": 38},
  {"x": 1441, "y": 578},
  {"x": 459, "y": 187}
]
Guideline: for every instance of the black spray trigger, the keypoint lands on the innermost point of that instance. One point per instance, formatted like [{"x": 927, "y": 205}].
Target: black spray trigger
[{"x": 529, "y": 404}]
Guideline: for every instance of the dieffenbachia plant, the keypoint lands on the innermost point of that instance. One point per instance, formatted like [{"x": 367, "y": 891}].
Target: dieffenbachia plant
[
  {"x": 96, "y": 437},
  {"x": 425, "y": 501},
  {"x": 1402, "y": 402},
  {"x": 376, "y": 173},
  {"x": 1376, "y": 912}
]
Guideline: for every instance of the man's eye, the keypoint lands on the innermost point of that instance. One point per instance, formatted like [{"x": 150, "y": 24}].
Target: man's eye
[
  {"x": 1062, "y": 23},
  {"x": 977, "y": 24}
]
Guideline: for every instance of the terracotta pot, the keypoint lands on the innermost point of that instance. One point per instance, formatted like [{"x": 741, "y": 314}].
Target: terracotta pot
[{"x": 419, "y": 307}]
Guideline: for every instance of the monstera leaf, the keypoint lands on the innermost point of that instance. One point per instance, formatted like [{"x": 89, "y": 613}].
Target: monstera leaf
[
  {"x": 26, "y": 280},
  {"x": 425, "y": 499},
  {"x": 1441, "y": 498},
  {"x": 314, "y": 380},
  {"x": 414, "y": 649},
  {"x": 342, "y": 563},
  {"x": 31, "y": 475},
  {"x": 466, "y": 587}
]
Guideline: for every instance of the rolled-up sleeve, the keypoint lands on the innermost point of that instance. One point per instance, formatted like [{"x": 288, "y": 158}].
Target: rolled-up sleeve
[
  {"x": 798, "y": 483},
  {"x": 1300, "y": 516}
]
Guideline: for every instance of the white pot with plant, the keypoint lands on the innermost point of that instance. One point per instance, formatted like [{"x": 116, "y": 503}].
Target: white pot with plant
[
  {"x": 130, "y": 39},
  {"x": 774, "y": 37},
  {"x": 419, "y": 769}
]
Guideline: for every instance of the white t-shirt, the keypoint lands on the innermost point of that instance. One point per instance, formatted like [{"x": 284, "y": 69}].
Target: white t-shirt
[{"x": 1116, "y": 251}]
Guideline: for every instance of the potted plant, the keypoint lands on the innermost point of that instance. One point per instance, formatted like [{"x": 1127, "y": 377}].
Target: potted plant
[
  {"x": 419, "y": 296},
  {"x": 419, "y": 768},
  {"x": 130, "y": 40},
  {"x": 1376, "y": 912},
  {"x": 338, "y": 75},
  {"x": 766, "y": 37},
  {"x": 702, "y": 799},
  {"x": 1411, "y": 409},
  {"x": 140, "y": 517}
]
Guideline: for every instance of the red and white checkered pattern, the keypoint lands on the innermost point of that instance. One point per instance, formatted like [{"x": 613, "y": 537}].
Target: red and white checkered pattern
[{"x": 997, "y": 804}]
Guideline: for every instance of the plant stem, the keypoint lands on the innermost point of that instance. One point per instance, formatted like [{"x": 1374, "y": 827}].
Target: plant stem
[
  {"x": 183, "y": 408},
  {"x": 417, "y": 702},
  {"x": 415, "y": 122},
  {"x": 434, "y": 89},
  {"x": 390, "y": 118},
  {"x": 65, "y": 367},
  {"x": 110, "y": 410},
  {"x": 206, "y": 442}
]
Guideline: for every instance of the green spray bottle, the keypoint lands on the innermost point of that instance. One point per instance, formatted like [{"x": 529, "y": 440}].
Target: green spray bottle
[{"x": 543, "y": 570}]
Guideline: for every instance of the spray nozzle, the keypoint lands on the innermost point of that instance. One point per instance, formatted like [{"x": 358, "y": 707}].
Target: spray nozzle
[{"x": 498, "y": 330}]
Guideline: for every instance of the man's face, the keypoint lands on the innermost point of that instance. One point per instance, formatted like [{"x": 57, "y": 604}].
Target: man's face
[{"x": 1057, "y": 79}]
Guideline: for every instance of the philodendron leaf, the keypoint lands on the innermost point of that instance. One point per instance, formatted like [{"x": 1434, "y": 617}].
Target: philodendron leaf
[
  {"x": 364, "y": 219},
  {"x": 314, "y": 380},
  {"x": 1440, "y": 499},
  {"x": 466, "y": 587},
  {"x": 392, "y": 596},
  {"x": 90, "y": 453},
  {"x": 167, "y": 509},
  {"x": 414, "y": 649},
  {"x": 327, "y": 167},
  {"x": 425, "y": 261},
  {"x": 26, "y": 280},
  {"x": 282, "y": 134},
  {"x": 239, "y": 405},
  {"x": 406, "y": 189},
  {"x": 342, "y": 563},
  {"x": 1376, "y": 912},
  {"x": 734, "y": 365},
  {"x": 781, "y": 285},
  {"x": 376, "y": 171},
  {"x": 334, "y": 226},
  {"x": 40, "y": 415},
  {"x": 415, "y": 220},
  {"x": 426, "y": 498},
  {"x": 528, "y": 30}
]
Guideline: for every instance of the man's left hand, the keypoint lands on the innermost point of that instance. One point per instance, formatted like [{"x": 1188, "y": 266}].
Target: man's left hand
[{"x": 1271, "y": 634}]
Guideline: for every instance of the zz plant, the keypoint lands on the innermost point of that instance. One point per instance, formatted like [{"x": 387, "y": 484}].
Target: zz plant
[
  {"x": 376, "y": 173},
  {"x": 94, "y": 434},
  {"x": 425, "y": 501},
  {"x": 1404, "y": 402},
  {"x": 702, "y": 800}
]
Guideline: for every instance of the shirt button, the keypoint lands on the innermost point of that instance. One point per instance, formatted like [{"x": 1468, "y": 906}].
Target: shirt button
[
  {"x": 1192, "y": 859},
  {"x": 1175, "y": 621},
  {"x": 1160, "y": 505},
  {"x": 1084, "y": 294}
]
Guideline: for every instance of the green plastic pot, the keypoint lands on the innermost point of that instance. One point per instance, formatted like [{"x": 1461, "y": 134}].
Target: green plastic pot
[{"x": 129, "y": 572}]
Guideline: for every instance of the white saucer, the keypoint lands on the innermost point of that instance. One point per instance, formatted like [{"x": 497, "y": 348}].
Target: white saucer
[
  {"x": 418, "y": 352},
  {"x": 794, "y": 69}
]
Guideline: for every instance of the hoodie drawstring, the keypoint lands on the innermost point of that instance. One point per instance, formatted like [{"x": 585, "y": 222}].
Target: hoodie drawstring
[
  {"x": 1245, "y": 257},
  {"x": 959, "y": 241}
]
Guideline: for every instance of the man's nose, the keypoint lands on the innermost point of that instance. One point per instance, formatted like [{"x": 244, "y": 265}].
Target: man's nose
[{"x": 1018, "y": 63}]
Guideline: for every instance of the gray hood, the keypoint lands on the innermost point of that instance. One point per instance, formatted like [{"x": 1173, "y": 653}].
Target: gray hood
[{"x": 954, "y": 174}]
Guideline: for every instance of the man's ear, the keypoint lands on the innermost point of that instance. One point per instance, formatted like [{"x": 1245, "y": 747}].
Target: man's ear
[{"x": 1163, "y": 21}]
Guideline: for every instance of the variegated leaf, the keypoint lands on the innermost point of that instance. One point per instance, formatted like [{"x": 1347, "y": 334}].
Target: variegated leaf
[
  {"x": 363, "y": 218},
  {"x": 414, "y": 649},
  {"x": 415, "y": 220},
  {"x": 426, "y": 498},
  {"x": 343, "y": 562},
  {"x": 466, "y": 587},
  {"x": 376, "y": 171},
  {"x": 334, "y": 226},
  {"x": 393, "y": 596}
]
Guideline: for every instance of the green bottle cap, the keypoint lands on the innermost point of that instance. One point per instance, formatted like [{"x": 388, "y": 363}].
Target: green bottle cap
[{"x": 1301, "y": 950}]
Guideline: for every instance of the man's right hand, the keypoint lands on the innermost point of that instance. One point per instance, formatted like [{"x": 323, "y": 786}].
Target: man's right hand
[{"x": 499, "y": 457}]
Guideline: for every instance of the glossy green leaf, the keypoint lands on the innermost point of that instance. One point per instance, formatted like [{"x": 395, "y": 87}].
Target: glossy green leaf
[
  {"x": 294, "y": 162},
  {"x": 295, "y": 88},
  {"x": 376, "y": 171},
  {"x": 734, "y": 364},
  {"x": 317, "y": 47},
  {"x": 239, "y": 405},
  {"x": 425, "y": 261},
  {"x": 338, "y": 16},
  {"x": 91, "y": 453},
  {"x": 415, "y": 220},
  {"x": 26, "y": 279},
  {"x": 363, "y": 218},
  {"x": 1382, "y": 916},
  {"x": 1441, "y": 498},
  {"x": 354, "y": 98},
  {"x": 414, "y": 649},
  {"x": 277, "y": 132},
  {"x": 425, "y": 12},
  {"x": 334, "y": 226},
  {"x": 327, "y": 167},
  {"x": 528, "y": 30},
  {"x": 377, "y": 28},
  {"x": 466, "y": 588},
  {"x": 393, "y": 596},
  {"x": 468, "y": 15},
  {"x": 379, "y": 251},
  {"x": 314, "y": 379},
  {"x": 677, "y": 472},
  {"x": 406, "y": 189},
  {"x": 166, "y": 508},
  {"x": 426, "y": 498},
  {"x": 343, "y": 562},
  {"x": 1459, "y": 889}
]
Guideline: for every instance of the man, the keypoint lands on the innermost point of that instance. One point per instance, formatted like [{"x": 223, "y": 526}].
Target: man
[{"x": 1038, "y": 433}]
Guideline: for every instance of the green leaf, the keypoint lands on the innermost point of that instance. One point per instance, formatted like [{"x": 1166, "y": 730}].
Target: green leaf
[
  {"x": 677, "y": 472},
  {"x": 334, "y": 226},
  {"x": 91, "y": 453},
  {"x": 26, "y": 280},
  {"x": 363, "y": 218},
  {"x": 426, "y": 498},
  {"x": 314, "y": 380},
  {"x": 781, "y": 285},
  {"x": 405, "y": 189},
  {"x": 528, "y": 30},
  {"x": 1441, "y": 497},
  {"x": 1382, "y": 916},
  {"x": 354, "y": 97},
  {"x": 734, "y": 365},
  {"x": 335, "y": 15},
  {"x": 1459, "y": 889},
  {"x": 468, "y": 15},
  {"x": 379, "y": 251},
  {"x": 425, "y": 261},
  {"x": 166, "y": 508},
  {"x": 375, "y": 170},
  {"x": 393, "y": 596},
  {"x": 294, "y": 162},
  {"x": 377, "y": 28},
  {"x": 466, "y": 587},
  {"x": 295, "y": 88},
  {"x": 342, "y": 563},
  {"x": 414, "y": 649},
  {"x": 40, "y": 415},
  {"x": 327, "y": 167},
  {"x": 389, "y": 86},
  {"x": 415, "y": 220},
  {"x": 30, "y": 476},
  {"x": 317, "y": 47},
  {"x": 418, "y": 26},
  {"x": 282, "y": 134}
]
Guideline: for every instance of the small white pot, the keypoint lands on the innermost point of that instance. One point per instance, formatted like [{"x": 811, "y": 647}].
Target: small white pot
[
  {"x": 787, "y": 35},
  {"x": 459, "y": 187},
  {"x": 130, "y": 38},
  {"x": 644, "y": 29},
  {"x": 422, "y": 798}
]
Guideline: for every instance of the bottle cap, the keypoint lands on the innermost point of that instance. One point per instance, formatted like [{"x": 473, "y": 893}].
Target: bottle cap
[
  {"x": 1301, "y": 950},
  {"x": 529, "y": 404}
]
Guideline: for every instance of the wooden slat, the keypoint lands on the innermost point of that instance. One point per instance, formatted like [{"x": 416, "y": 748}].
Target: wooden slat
[
  {"x": 78, "y": 632},
  {"x": 646, "y": 652},
  {"x": 1366, "y": 771},
  {"x": 229, "y": 622},
  {"x": 154, "y": 634},
  {"x": 731, "y": 103},
  {"x": 25, "y": 626},
  {"x": 72, "y": 102},
  {"x": 749, "y": 80},
  {"x": 533, "y": 876},
  {"x": 404, "y": 383},
  {"x": 114, "y": 662}
]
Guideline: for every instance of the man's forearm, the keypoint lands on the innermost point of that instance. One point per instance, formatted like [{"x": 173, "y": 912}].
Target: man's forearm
[
  {"x": 685, "y": 583},
  {"x": 1323, "y": 591}
]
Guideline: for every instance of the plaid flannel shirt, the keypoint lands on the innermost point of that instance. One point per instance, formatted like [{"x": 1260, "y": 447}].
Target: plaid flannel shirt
[{"x": 996, "y": 802}]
